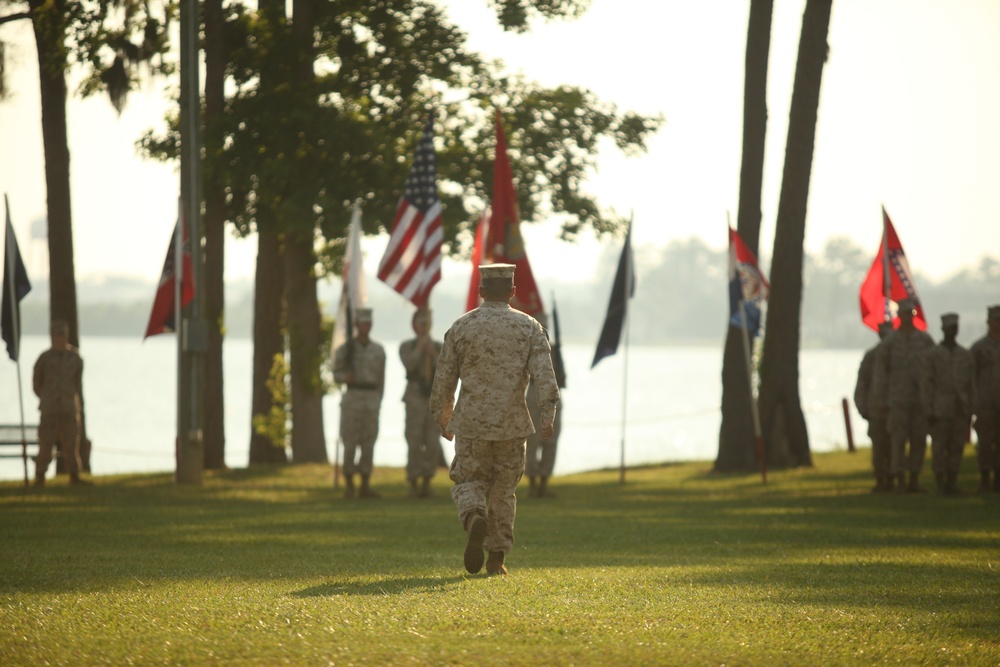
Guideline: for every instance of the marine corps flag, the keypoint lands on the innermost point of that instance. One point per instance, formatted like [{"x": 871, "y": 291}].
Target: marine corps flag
[
  {"x": 502, "y": 243},
  {"x": 163, "y": 318},
  {"x": 15, "y": 287},
  {"x": 621, "y": 292},
  {"x": 888, "y": 282}
]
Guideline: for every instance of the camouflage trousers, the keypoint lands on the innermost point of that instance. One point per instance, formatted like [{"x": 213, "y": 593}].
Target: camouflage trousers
[
  {"x": 486, "y": 473},
  {"x": 907, "y": 426},
  {"x": 423, "y": 440},
  {"x": 359, "y": 430},
  {"x": 988, "y": 436},
  {"x": 948, "y": 443},
  {"x": 64, "y": 427},
  {"x": 878, "y": 430},
  {"x": 540, "y": 457}
]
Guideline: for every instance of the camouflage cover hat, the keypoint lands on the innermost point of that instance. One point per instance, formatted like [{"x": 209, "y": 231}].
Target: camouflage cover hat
[
  {"x": 362, "y": 315},
  {"x": 491, "y": 271},
  {"x": 949, "y": 319},
  {"x": 993, "y": 312}
]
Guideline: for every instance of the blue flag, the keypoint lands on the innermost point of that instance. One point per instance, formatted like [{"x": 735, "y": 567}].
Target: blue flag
[
  {"x": 621, "y": 292},
  {"x": 15, "y": 287}
]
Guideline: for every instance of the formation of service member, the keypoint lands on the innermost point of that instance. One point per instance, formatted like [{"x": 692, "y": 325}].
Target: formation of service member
[
  {"x": 423, "y": 437},
  {"x": 58, "y": 383},
  {"x": 360, "y": 364},
  {"x": 898, "y": 371},
  {"x": 870, "y": 409},
  {"x": 540, "y": 455},
  {"x": 494, "y": 350},
  {"x": 986, "y": 355},
  {"x": 948, "y": 393}
]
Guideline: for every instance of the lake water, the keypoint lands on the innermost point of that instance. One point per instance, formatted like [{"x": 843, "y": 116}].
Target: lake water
[{"x": 672, "y": 404}]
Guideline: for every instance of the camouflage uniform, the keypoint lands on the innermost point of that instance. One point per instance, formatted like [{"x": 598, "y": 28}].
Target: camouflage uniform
[
  {"x": 948, "y": 393},
  {"x": 867, "y": 403},
  {"x": 898, "y": 365},
  {"x": 57, "y": 380},
  {"x": 423, "y": 437},
  {"x": 360, "y": 405},
  {"x": 493, "y": 350},
  {"x": 986, "y": 356}
]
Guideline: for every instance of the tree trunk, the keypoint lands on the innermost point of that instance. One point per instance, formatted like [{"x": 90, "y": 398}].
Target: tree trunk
[
  {"x": 215, "y": 225},
  {"x": 737, "y": 451},
  {"x": 50, "y": 29},
  {"x": 268, "y": 339},
  {"x": 304, "y": 330},
  {"x": 784, "y": 425},
  {"x": 304, "y": 345}
]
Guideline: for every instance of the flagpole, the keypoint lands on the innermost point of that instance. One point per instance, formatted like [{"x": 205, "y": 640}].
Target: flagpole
[
  {"x": 758, "y": 435},
  {"x": 14, "y": 308},
  {"x": 886, "y": 276},
  {"x": 627, "y": 287},
  {"x": 178, "y": 279}
]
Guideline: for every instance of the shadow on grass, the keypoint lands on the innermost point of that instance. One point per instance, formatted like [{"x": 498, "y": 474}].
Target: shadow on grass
[{"x": 378, "y": 587}]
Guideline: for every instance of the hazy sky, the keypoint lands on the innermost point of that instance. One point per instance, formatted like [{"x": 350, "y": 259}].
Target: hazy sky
[{"x": 908, "y": 118}]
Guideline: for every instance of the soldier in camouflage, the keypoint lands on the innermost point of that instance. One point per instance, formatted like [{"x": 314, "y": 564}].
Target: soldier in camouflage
[
  {"x": 898, "y": 365},
  {"x": 58, "y": 383},
  {"x": 540, "y": 455},
  {"x": 423, "y": 437},
  {"x": 948, "y": 393},
  {"x": 875, "y": 414},
  {"x": 494, "y": 350},
  {"x": 360, "y": 364},
  {"x": 986, "y": 355}
]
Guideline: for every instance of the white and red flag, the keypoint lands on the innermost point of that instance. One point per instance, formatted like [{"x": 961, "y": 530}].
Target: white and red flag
[
  {"x": 748, "y": 286},
  {"x": 888, "y": 282},
  {"x": 411, "y": 264},
  {"x": 164, "y": 316}
]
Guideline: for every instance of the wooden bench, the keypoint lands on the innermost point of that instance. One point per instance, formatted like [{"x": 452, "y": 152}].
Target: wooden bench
[{"x": 10, "y": 442}]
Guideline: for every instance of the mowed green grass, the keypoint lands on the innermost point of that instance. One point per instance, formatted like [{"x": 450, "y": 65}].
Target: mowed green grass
[{"x": 677, "y": 566}]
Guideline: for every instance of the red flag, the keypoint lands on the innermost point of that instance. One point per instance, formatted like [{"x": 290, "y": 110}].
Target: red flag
[
  {"x": 162, "y": 319},
  {"x": 411, "y": 264},
  {"x": 473, "y": 300},
  {"x": 875, "y": 306},
  {"x": 504, "y": 244}
]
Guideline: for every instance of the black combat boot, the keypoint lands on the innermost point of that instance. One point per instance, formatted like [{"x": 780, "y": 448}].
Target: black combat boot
[
  {"x": 901, "y": 482},
  {"x": 951, "y": 484},
  {"x": 349, "y": 486},
  {"x": 366, "y": 490},
  {"x": 939, "y": 481},
  {"x": 414, "y": 491},
  {"x": 914, "y": 486},
  {"x": 425, "y": 488},
  {"x": 532, "y": 487}
]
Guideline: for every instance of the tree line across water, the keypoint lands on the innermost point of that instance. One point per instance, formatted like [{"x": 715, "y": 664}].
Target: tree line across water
[{"x": 681, "y": 297}]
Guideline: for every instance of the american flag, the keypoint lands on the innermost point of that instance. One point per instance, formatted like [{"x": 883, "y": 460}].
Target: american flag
[{"x": 411, "y": 264}]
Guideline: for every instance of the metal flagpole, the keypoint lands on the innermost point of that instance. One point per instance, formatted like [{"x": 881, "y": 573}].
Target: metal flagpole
[
  {"x": 627, "y": 283},
  {"x": 178, "y": 277},
  {"x": 886, "y": 276},
  {"x": 758, "y": 436},
  {"x": 12, "y": 295}
]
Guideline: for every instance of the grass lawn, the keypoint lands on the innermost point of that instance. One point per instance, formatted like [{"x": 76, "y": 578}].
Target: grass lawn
[{"x": 676, "y": 567}]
